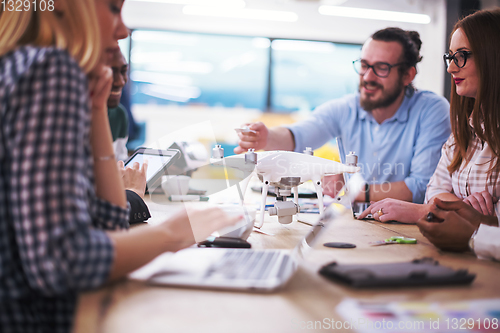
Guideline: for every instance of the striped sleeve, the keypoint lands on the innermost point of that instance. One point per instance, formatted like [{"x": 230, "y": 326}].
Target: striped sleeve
[{"x": 441, "y": 181}]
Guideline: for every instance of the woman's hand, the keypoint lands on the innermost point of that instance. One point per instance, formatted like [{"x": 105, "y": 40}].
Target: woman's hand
[
  {"x": 191, "y": 226},
  {"x": 395, "y": 210},
  {"x": 483, "y": 202},
  {"x": 108, "y": 183},
  {"x": 467, "y": 212},
  {"x": 136, "y": 247},
  {"x": 100, "y": 81},
  {"x": 134, "y": 178}
]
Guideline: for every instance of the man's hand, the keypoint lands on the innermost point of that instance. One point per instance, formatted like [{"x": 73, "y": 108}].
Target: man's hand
[
  {"x": 134, "y": 179},
  {"x": 333, "y": 184},
  {"x": 452, "y": 234},
  {"x": 257, "y": 140}
]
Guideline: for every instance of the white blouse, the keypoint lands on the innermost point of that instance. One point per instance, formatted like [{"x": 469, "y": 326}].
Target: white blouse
[{"x": 471, "y": 177}]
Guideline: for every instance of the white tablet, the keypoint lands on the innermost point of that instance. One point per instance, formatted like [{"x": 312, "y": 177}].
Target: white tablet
[{"x": 158, "y": 162}]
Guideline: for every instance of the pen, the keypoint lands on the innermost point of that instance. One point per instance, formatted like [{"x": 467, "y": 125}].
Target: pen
[{"x": 188, "y": 197}]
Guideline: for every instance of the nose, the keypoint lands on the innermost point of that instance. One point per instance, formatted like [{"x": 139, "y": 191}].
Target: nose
[
  {"x": 452, "y": 68},
  {"x": 121, "y": 31},
  {"x": 370, "y": 75},
  {"x": 118, "y": 80}
]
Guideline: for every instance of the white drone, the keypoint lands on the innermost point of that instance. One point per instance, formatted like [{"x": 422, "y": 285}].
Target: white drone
[{"x": 285, "y": 171}]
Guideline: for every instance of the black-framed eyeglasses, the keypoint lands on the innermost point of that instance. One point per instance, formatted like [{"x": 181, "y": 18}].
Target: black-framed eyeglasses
[
  {"x": 381, "y": 69},
  {"x": 459, "y": 58}
]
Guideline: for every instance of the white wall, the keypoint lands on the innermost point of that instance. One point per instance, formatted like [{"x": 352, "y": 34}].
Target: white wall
[
  {"x": 489, "y": 4},
  {"x": 310, "y": 25}
]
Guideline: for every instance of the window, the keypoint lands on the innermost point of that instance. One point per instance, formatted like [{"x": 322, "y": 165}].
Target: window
[
  {"x": 188, "y": 68},
  {"x": 233, "y": 71},
  {"x": 306, "y": 74}
]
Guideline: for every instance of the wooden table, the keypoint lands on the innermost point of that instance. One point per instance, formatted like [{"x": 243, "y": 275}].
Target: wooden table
[{"x": 131, "y": 306}]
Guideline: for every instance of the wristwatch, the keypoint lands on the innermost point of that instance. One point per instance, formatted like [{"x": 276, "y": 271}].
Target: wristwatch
[{"x": 471, "y": 240}]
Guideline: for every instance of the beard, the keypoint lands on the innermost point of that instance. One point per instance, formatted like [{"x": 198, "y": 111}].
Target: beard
[{"x": 388, "y": 97}]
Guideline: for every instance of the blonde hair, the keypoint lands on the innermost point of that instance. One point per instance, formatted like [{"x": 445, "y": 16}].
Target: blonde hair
[{"x": 76, "y": 30}]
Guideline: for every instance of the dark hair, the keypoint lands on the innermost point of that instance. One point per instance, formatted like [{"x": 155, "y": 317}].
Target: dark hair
[
  {"x": 409, "y": 40},
  {"x": 482, "y": 29}
]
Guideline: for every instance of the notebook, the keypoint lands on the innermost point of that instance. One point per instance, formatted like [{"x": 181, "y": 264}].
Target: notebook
[{"x": 237, "y": 269}]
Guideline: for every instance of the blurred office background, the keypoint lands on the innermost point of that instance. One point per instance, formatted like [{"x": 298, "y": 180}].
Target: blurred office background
[{"x": 227, "y": 62}]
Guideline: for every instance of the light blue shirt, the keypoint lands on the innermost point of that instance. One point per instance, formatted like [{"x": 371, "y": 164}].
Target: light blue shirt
[{"x": 405, "y": 147}]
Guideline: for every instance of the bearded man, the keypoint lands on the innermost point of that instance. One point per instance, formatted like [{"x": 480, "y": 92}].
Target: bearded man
[{"x": 396, "y": 131}]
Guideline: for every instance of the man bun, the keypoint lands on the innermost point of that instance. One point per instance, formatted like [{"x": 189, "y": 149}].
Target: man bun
[
  {"x": 409, "y": 40},
  {"x": 415, "y": 37}
]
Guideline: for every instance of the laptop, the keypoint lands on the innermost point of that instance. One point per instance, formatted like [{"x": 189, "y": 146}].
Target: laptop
[{"x": 238, "y": 269}]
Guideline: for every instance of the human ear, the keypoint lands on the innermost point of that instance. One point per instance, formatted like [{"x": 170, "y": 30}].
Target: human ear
[{"x": 409, "y": 76}]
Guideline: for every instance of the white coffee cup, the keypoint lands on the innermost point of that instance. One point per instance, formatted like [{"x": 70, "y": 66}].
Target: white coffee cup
[{"x": 175, "y": 185}]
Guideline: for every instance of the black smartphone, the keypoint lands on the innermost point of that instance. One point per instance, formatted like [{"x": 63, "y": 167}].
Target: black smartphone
[
  {"x": 158, "y": 162},
  {"x": 433, "y": 218},
  {"x": 227, "y": 242}
]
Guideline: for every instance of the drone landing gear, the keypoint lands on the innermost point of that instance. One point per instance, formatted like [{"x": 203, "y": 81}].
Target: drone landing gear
[{"x": 282, "y": 208}]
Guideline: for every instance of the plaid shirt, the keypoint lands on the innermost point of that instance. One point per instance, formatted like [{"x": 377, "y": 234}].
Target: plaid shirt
[
  {"x": 51, "y": 242},
  {"x": 470, "y": 178}
]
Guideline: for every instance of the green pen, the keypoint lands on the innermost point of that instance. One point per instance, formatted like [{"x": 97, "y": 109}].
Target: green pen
[{"x": 401, "y": 240}]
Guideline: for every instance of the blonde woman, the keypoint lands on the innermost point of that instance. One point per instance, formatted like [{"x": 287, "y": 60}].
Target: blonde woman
[{"x": 62, "y": 201}]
